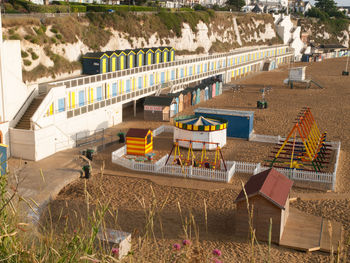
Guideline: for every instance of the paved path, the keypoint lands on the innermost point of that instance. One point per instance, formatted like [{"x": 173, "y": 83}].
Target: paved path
[{"x": 37, "y": 187}]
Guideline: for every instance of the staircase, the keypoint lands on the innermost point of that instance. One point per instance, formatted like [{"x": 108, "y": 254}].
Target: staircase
[{"x": 24, "y": 122}]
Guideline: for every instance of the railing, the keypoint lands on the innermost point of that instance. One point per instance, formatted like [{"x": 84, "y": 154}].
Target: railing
[
  {"x": 110, "y": 75},
  {"x": 24, "y": 107},
  {"x": 44, "y": 105}
]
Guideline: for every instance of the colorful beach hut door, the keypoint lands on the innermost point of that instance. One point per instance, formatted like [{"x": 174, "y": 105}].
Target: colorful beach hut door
[
  {"x": 213, "y": 90},
  {"x": 104, "y": 65},
  {"x": 198, "y": 95},
  {"x": 206, "y": 94},
  {"x": 217, "y": 89},
  {"x": 193, "y": 100},
  {"x": 176, "y": 107}
]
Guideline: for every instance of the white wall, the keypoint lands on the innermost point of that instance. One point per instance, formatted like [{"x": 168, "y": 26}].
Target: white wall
[
  {"x": 213, "y": 136},
  {"x": 14, "y": 90}
]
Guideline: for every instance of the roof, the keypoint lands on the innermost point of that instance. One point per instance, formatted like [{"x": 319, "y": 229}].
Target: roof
[
  {"x": 198, "y": 121},
  {"x": 148, "y": 50},
  {"x": 256, "y": 9},
  {"x": 155, "y": 49},
  {"x": 95, "y": 54},
  {"x": 224, "y": 112},
  {"x": 128, "y": 51},
  {"x": 139, "y": 133},
  {"x": 110, "y": 53},
  {"x": 158, "y": 100},
  {"x": 327, "y": 46},
  {"x": 270, "y": 184},
  {"x": 138, "y": 50},
  {"x": 118, "y": 52}
]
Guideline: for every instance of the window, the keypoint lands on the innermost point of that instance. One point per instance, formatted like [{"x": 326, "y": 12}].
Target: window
[
  {"x": 140, "y": 83},
  {"x": 128, "y": 85},
  {"x": 114, "y": 89},
  {"x": 99, "y": 93},
  {"x": 151, "y": 80},
  {"x": 81, "y": 98},
  {"x": 60, "y": 105}
]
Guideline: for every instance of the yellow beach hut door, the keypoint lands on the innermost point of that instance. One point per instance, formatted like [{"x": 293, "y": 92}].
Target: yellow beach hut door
[
  {"x": 157, "y": 60},
  {"x": 122, "y": 62},
  {"x": 104, "y": 65},
  {"x": 114, "y": 63}
]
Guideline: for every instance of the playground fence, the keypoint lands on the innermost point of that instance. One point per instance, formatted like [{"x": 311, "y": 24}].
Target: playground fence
[{"x": 232, "y": 166}]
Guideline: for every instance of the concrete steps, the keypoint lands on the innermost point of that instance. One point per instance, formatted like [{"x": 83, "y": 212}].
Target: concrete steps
[{"x": 24, "y": 122}]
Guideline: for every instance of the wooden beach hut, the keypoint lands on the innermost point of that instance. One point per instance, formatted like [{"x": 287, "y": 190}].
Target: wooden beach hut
[
  {"x": 149, "y": 56},
  {"x": 131, "y": 58},
  {"x": 157, "y": 108},
  {"x": 140, "y": 57},
  {"x": 268, "y": 196},
  {"x": 202, "y": 92},
  {"x": 186, "y": 98},
  {"x": 121, "y": 61},
  {"x": 157, "y": 56},
  {"x": 179, "y": 100},
  {"x": 139, "y": 141},
  {"x": 113, "y": 58},
  {"x": 165, "y": 54},
  {"x": 95, "y": 63},
  {"x": 171, "y": 54}
]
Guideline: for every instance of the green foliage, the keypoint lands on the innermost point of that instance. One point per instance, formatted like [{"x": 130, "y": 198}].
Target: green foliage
[
  {"x": 54, "y": 30},
  {"x": 104, "y": 8},
  {"x": 27, "y": 62},
  {"x": 326, "y": 5},
  {"x": 235, "y": 4},
  {"x": 174, "y": 21},
  {"x": 78, "y": 8},
  {"x": 59, "y": 36},
  {"x": 34, "y": 55},
  {"x": 24, "y": 54},
  {"x": 318, "y": 13},
  {"x": 15, "y": 36}
]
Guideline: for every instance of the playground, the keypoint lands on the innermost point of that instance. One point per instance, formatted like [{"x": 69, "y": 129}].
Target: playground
[{"x": 329, "y": 106}]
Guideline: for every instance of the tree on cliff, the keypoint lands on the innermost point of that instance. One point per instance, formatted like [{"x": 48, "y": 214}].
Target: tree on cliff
[
  {"x": 326, "y": 5},
  {"x": 235, "y": 4}
]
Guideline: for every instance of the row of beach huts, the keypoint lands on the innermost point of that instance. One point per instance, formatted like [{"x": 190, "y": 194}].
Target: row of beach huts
[
  {"x": 110, "y": 61},
  {"x": 316, "y": 57},
  {"x": 164, "y": 107}
]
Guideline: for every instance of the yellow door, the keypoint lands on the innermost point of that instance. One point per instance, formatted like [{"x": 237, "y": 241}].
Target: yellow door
[
  {"x": 131, "y": 60},
  {"x": 157, "y": 60},
  {"x": 172, "y": 56},
  {"x": 201, "y": 68},
  {"x": 165, "y": 56},
  {"x": 104, "y": 66},
  {"x": 113, "y": 63},
  {"x": 140, "y": 60},
  {"x": 122, "y": 62},
  {"x": 149, "y": 59},
  {"x": 107, "y": 91}
]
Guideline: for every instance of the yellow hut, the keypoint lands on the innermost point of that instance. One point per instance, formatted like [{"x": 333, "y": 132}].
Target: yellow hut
[{"x": 139, "y": 141}]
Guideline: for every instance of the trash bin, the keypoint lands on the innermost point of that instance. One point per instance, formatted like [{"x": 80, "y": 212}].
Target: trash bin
[
  {"x": 86, "y": 169},
  {"x": 345, "y": 73},
  {"x": 121, "y": 137},
  {"x": 89, "y": 153}
]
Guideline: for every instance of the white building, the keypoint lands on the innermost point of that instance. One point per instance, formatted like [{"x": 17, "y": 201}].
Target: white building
[{"x": 289, "y": 33}]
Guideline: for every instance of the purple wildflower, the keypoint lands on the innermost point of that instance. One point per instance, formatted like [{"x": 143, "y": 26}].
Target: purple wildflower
[
  {"x": 115, "y": 251},
  {"x": 217, "y": 252},
  {"x": 177, "y": 246},
  {"x": 186, "y": 242}
]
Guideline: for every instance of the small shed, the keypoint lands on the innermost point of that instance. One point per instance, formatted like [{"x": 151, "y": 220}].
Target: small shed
[
  {"x": 202, "y": 93},
  {"x": 121, "y": 62},
  {"x": 179, "y": 99},
  {"x": 186, "y": 98},
  {"x": 140, "y": 57},
  {"x": 157, "y": 57},
  {"x": 113, "y": 58},
  {"x": 95, "y": 63},
  {"x": 165, "y": 54},
  {"x": 171, "y": 54},
  {"x": 213, "y": 90},
  {"x": 149, "y": 56},
  {"x": 131, "y": 58},
  {"x": 206, "y": 93},
  {"x": 139, "y": 141},
  {"x": 268, "y": 196},
  {"x": 157, "y": 108},
  {"x": 240, "y": 123}
]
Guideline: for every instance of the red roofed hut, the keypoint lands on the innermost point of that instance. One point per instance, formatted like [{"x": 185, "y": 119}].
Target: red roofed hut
[{"x": 268, "y": 196}]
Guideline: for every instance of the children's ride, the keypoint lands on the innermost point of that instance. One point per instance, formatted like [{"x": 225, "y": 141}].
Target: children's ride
[
  {"x": 191, "y": 158},
  {"x": 304, "y": 148}
]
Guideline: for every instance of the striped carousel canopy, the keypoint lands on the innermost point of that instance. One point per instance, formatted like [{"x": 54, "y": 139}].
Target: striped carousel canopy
[{"x": 200, "y": 123}]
